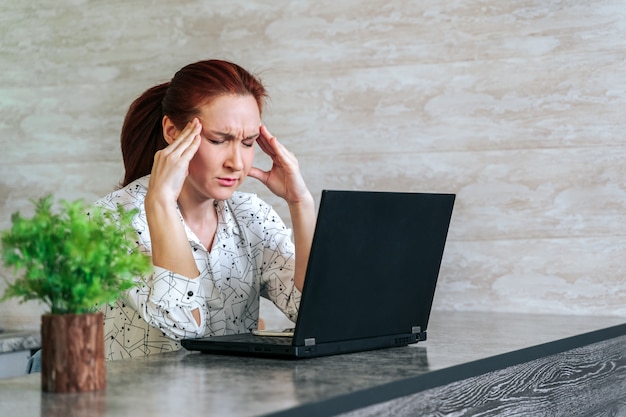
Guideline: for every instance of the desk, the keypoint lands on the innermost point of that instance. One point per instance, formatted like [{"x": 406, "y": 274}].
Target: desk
[{"x": 461, "y": 346}]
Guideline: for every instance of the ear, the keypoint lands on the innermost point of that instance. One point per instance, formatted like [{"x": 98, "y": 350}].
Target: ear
[{"x": 170, "y": 132}]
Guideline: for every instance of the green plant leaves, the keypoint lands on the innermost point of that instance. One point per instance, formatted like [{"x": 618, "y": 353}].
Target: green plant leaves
[{"x": 73, "y": 260}]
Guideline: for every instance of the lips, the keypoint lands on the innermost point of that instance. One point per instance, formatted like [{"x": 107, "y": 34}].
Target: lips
[{"x": 227, "y": 182}]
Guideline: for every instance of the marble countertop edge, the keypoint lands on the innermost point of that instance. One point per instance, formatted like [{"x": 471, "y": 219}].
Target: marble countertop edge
[{"x": 17, "y": 340}]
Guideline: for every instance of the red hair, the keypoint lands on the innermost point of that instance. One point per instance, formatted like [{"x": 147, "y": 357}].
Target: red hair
[{"x": 180, "y": 99}]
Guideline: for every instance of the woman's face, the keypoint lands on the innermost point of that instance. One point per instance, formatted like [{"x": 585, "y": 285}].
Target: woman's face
[{"x": 230, "y": 127}]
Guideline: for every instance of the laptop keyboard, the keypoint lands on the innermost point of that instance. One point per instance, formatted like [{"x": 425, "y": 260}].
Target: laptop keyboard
[{"x": 273, "y": 340}]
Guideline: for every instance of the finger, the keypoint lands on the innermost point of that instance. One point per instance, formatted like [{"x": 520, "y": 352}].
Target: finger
[
  {"x": 192, "y": 129},
  {"x": 187, "y": 136},
  {"x": 184, "y": 146},
  {"x": 265, "y": 147},
  {"x": 266, "y": 141},
  {"x": 191, "y": 150},
  {"x": 258, "y": 174},
  {"x": 275, "y": 144}
]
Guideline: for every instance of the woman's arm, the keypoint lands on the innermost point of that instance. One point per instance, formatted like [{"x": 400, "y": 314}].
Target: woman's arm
[
  {"x": 303, "y": 220},
  {"x": 161, "y": 298},
  {"x": 170, "y": 246},
  {"x": 285, "y": 180},
  {"x": 171, "y": 303}
]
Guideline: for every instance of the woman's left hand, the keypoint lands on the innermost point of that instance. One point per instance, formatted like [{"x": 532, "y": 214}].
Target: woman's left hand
[{"x": 284, "y": 178}]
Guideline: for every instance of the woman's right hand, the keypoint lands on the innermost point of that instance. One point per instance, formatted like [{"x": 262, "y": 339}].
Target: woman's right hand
[
  {"x": 171, "y": 164},
  {"x": 170, "y": 247}
]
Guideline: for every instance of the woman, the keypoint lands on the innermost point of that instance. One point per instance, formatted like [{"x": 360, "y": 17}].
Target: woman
[{"x": 187, "y": 146}]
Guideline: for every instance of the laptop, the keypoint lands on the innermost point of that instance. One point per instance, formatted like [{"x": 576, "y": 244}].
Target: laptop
[{"x": 370, "y": 279}]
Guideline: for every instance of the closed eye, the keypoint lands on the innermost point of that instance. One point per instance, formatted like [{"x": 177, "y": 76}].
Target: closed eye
[
  {"x": 248, "y": 143},
  {"x": 215, "y": 142}
]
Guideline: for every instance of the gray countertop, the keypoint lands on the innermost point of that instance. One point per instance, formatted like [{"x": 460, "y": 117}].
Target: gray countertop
[
  {"x": 16, "y": 340},
  {"x": 199, "y": 384}
]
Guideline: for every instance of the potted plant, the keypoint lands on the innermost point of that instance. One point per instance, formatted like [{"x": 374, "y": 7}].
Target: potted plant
[{"x": 73, "y": 260}]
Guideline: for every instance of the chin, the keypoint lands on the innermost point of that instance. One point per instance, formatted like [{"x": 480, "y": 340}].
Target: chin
[{"x": 223, "y": 194}]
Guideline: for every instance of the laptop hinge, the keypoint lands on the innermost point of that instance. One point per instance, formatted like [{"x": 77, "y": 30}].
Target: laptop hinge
[{"x": 309, "y": 342}]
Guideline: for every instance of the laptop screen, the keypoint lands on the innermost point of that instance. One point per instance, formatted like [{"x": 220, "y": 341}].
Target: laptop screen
[{"x": 375, "y": 260}]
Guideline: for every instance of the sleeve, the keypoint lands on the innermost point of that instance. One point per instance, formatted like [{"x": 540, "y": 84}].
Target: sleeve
[
  {"x": 166, "y": 299},
  {"x": 277, "y": 277},
  {"x": 163, "y": 299}
]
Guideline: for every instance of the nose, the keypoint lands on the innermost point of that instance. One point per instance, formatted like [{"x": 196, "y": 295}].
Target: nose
[{"x": 234, "y": 159}]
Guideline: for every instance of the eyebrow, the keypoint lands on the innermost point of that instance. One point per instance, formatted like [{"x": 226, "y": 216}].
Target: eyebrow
[{"x": 230, "y": 136}]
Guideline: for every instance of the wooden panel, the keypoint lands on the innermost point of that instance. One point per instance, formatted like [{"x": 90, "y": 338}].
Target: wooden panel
[{"x": 588, "y": 381}]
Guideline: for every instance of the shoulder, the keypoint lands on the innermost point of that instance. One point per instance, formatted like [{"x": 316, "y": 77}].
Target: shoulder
[{"x": 130, "y": 196}]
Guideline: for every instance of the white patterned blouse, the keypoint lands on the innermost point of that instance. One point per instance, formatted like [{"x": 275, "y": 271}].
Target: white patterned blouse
[{"x": 252, "y": 255}]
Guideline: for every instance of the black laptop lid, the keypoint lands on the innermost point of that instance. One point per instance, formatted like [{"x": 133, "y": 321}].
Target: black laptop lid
[{"x": 375, "y": 260}]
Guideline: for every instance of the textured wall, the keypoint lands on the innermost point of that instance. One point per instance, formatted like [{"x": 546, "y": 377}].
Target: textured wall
[{"x": 516, "y": 106}]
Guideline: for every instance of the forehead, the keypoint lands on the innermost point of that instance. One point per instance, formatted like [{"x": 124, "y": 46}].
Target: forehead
[{"x": 232, "y": 112}]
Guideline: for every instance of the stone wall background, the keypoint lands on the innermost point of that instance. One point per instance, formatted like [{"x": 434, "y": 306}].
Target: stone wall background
[{"x": 517, "y": 107}]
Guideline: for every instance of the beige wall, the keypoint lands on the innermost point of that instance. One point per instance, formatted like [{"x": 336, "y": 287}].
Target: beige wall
[{"x": 518, "y": 107}]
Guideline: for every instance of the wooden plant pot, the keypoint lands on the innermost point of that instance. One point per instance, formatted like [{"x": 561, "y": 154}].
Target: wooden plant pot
[{"x": 72, "y": 353}]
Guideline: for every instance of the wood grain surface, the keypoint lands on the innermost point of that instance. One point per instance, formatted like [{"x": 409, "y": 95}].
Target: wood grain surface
[
  {"x": 72, "y": 353},
  {"x": 588, "y": 381}
]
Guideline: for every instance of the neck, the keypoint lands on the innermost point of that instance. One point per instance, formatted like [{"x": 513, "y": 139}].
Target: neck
[{"x": 200, "y": 215}]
